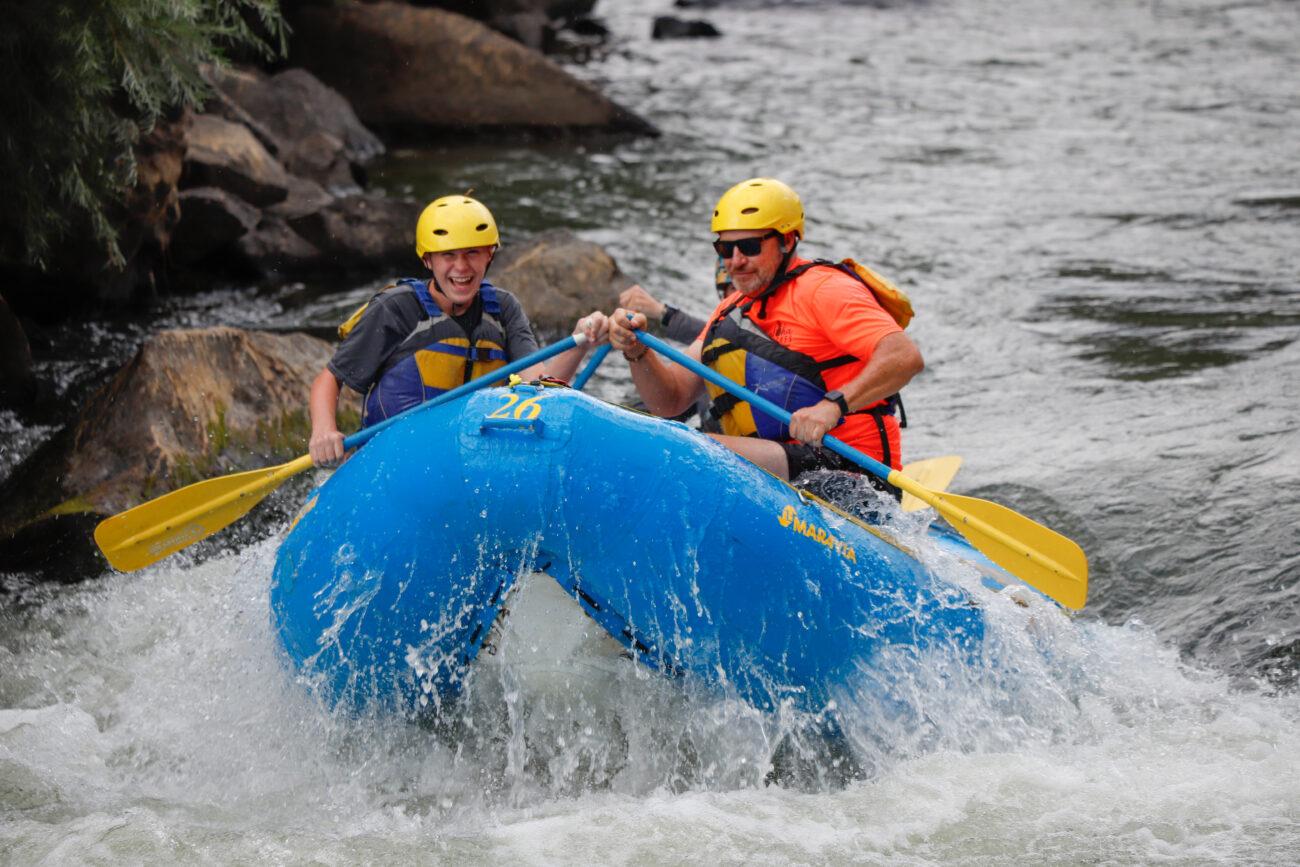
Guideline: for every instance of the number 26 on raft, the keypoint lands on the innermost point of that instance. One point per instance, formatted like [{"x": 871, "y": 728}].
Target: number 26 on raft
[{"x": 527, "y": 409}]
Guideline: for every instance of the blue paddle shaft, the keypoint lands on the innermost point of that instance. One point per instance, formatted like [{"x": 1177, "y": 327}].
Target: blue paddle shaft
[
  {"x": 363, "y": 436},
  {"x": 596, "y": 358},
  {"x": 867, "y": 462}
]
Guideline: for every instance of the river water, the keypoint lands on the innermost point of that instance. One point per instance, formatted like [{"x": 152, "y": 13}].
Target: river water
[{"x": 1094, "y": 206}]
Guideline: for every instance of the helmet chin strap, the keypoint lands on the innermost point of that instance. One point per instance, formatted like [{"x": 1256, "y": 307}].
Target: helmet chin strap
[
  {"x": 437, "y": 287},
  {"x": 786, "y": 256},
  {"x": 777, "y": 278}
]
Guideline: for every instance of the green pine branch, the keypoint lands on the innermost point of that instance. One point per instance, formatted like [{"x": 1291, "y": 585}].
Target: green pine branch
[{"x": 82, "y": 80}]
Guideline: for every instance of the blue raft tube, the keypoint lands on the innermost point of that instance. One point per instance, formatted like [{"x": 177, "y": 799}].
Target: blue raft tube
[{"x": 699, "y": 563}]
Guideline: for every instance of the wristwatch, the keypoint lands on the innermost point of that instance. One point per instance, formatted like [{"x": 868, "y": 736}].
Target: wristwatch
[
  {"x": 837, "y": 397},
  {"x": 669, "y": 312}
]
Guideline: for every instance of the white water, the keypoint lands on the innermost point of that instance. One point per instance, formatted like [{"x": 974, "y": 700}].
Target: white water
[
  {"x": 148, "y": 719},
  {"x": 1110, "y": 338}
]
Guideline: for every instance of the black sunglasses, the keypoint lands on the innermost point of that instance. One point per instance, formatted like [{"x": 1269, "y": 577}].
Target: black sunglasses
[{"x": 746, "y": 246}]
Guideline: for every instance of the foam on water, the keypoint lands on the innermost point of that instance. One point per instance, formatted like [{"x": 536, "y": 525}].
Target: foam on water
[{"x": 151, "y": 717}]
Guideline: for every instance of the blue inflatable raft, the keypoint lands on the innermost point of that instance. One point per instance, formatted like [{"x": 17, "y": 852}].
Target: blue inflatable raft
[{"x": 698, "y": 562}]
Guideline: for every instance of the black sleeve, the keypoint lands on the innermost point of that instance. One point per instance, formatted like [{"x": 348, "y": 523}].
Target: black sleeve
[
  {"x": 683, "y": 327},
  {"x": 389, "y": 318},
  {"x": 520, "y": 341}
]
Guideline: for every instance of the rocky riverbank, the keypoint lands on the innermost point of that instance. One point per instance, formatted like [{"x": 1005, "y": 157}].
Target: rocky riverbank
[{"x": 269, "y": 182}]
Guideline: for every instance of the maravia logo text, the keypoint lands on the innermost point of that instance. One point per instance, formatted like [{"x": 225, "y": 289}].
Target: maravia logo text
[{"x": 817, "y": 534}]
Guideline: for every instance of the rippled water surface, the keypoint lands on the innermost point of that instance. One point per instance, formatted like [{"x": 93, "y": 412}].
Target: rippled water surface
[{"x": 1094, "y": 207}]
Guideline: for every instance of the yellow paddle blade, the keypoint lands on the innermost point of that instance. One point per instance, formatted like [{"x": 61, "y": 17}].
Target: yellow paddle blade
[
  {"x": 1042, "y": 558},
  {"x": 934, "y": 473},
  {"x": 144, "y": 535}
]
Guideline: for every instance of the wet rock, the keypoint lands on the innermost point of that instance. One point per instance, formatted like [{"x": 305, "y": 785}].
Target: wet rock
[
  {"x": 316, "y": 132},
  {"x": 589, "y": 27},
  {"x": 668, "y": 27},
  {"x": 211, "y": 220},
  {"x": 305, "y": 196},
  {"x": 559, "y": 277},
  {"x": 190, "y": 405},
  {"x": 228, "y": 156},
  {"x": 55, "y": 548},
  {"x": 361, "y": 230},
  {"x": 275, "y": 249},
  {"x": 222, "y": 106},
  {"x": 310, "y": 232},
  {"x": 416, "y": 72},
  {"x": 246, "y": 214},
  {"x": 319, "y": 157},
  {"x": 531, "y": 29}
]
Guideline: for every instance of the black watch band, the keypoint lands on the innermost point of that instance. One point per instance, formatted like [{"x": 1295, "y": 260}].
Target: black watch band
[
  {"x": 669, "y": 312},
  {"x": 837, "y": 397}
]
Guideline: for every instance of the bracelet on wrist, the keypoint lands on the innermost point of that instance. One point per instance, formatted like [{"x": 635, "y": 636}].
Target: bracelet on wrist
[
  {"x": 634, "y": 359},
  {"x": 669, "y": 312}
]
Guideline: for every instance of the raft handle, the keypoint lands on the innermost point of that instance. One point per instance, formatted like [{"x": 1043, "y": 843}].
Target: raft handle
[{"x": 536, "y": 425}]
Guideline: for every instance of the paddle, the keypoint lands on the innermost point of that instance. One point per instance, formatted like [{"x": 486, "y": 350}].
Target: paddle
[
  {"x": 592, "y": 363},
  {"x": 934, "y": 473},
  {"x": 151, "y": 531},
  {"x": 1040, "y": 557}
]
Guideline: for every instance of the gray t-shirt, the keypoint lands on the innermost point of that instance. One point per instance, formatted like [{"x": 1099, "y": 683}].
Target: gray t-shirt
[{"x": 390, "y": 318}]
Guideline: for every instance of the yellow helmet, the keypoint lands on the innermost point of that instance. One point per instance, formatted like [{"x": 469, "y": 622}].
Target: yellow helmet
[
  {"x": 759, "y": 203},
  {"x": 453, "y": 223}
]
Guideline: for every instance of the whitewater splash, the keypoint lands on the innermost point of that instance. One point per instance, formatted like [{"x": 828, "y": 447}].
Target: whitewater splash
[{"x": 167, "y": 688}]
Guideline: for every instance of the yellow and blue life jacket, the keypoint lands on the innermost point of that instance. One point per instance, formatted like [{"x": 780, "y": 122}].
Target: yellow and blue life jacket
[{"x": 437, "y": 355}]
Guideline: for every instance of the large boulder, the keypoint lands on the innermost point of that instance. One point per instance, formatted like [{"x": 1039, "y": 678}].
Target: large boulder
[
  {"x": 272, "y": 184},
  {"x": 361, "y": 230},
  {"x": 273, "y": 248},
  {"x": 212, "y": 220},
  {"x": 305, "y": 197},
  {"x": 418, "y": 71},
  {"x": 313, "y": 129},
  {"x": 308, "y": 232},
  {"x": 228, "y": 156},
  {"x": 559, "y": 277},
  {"x": 190, "y": 405}
]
